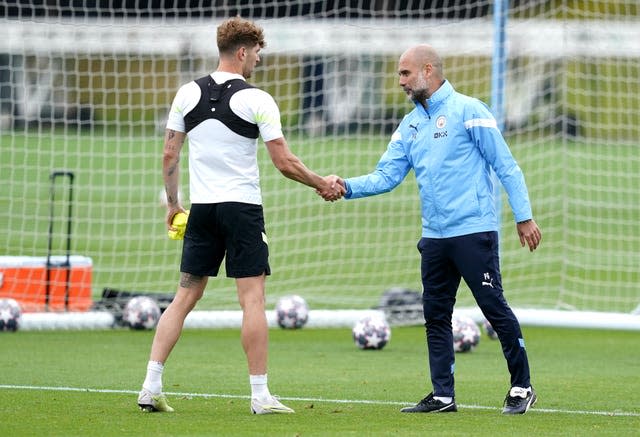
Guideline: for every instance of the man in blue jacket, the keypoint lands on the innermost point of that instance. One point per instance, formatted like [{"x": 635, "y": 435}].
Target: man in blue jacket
[{"x": 452, "y": 142}]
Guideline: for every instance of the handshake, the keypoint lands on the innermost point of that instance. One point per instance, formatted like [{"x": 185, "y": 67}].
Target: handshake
[{"x": 332, "y": 188}]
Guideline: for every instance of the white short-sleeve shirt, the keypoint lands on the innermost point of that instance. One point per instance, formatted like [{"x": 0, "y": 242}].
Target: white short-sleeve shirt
[{"x": 223, "y": 166}]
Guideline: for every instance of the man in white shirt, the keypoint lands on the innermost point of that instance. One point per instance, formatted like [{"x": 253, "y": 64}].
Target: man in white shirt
[{"x": 223, "y": 116}]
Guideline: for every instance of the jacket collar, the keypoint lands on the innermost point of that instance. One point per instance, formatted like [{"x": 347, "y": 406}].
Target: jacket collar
[{"x": 445, "y": 90}]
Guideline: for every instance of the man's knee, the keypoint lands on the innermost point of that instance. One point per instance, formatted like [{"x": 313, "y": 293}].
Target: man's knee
[{"x": 437, "y": 310}]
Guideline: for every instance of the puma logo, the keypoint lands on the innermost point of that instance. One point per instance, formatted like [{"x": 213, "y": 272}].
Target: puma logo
[{"x": 488, "y": 280}]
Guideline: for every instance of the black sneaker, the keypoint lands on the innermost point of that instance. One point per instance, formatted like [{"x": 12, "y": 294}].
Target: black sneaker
[
  {"x": 431, "y": 405},
  {"x": 519, "y": 400}
]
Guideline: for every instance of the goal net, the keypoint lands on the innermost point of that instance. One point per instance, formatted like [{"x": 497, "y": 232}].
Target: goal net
[{"x": 85, "y": 88}]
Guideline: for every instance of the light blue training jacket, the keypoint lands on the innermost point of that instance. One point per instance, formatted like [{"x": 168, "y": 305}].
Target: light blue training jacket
[{"x": 452, "y": 146}]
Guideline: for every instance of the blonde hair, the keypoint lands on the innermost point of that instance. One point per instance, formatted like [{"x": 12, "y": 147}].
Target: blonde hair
[{"x": 237, "y": 32}]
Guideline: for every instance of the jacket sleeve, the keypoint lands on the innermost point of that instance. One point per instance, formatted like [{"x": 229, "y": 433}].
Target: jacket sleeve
[
  {"x": 391, "y": 169},
  {"x": 484, "y": 132}
]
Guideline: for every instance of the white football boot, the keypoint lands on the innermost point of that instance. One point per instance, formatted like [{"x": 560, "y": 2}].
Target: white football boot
[
  {"x": 150, "y": 403},
  {"x": 269, "y": 405}
]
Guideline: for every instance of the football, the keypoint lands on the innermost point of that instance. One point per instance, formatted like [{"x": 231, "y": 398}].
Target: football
[
  {"x": 466, "y": 334},
  {"x": 488, "y": 329},
  {"x": 141, "y": 312},
  {"x": 371, "y": 333},
  {"x": 10, "y": 315},
  {"x": 292, "y": 312}
]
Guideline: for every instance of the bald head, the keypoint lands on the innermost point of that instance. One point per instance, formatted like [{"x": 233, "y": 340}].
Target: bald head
[
  {"x": 424, "y": 54},
  {"x": 420, "y": 71}
]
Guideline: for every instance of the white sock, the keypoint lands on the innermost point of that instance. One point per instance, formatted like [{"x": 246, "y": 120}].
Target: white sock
[
  {"x": 153, "y": 380},
  {"x": 259, "y": 388},
  {"x": 443, "y": 399}
]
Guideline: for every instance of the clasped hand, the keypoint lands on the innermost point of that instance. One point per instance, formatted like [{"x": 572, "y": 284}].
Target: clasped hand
[{"x": 332, "y": 188}]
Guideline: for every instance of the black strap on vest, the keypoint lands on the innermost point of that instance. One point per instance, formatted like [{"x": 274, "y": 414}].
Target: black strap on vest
[{"x": 214, "y": 104}]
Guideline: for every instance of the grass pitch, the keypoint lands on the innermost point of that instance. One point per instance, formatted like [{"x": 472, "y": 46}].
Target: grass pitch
[{"x": 77, "y": 383}]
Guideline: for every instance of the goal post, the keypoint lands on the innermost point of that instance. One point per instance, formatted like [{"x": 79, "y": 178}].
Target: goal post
[{"x": 87, "y": 90}]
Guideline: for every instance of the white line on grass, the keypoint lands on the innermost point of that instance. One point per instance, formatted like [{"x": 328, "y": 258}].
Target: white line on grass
[{"x": 331, "y": 401}]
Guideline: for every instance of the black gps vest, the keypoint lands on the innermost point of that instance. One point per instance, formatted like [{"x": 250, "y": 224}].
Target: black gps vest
[{"x": 214, "y": 104}]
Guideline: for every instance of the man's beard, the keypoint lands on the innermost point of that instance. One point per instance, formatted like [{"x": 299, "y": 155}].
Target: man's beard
[
  {"x": 421, "y": 93},
  {"x": 420, "y": 96}
]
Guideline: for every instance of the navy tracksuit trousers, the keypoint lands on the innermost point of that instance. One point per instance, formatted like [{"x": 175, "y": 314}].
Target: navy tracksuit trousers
[{"x": 474, "y": 257}]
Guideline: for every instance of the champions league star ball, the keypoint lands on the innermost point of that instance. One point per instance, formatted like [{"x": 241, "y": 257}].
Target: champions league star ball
[
  {"x": 10, "y": 315},
  {"x": 141, "y": 312},
  {"x": 466, "y": 334},
  {"x": 292, "y": 312},
  {"x": 371, "y": 333}
]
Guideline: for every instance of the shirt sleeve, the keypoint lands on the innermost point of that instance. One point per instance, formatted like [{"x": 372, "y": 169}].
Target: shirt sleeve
[
  {"x": 257, "y": 106},
  {"x": 185, "y": 100},
  {"x": 484, "y": 132},
  {"x": 391, "y": 169}
]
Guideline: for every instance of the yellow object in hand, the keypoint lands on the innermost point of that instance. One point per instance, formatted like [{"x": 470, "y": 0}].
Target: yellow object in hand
[{"x": 179, "y": 222}]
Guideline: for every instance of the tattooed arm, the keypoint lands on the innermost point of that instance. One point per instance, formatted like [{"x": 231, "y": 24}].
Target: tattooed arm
[{"x": 173, "y": 141}]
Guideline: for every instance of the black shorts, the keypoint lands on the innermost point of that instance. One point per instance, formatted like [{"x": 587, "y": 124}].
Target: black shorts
[{"x": 230, "y": 230}]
